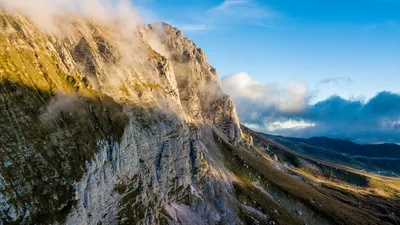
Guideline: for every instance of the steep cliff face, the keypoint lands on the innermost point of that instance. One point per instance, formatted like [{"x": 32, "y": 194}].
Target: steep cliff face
[
  {"x": 100, "y": 128},
  {"x": 198, "y": 82},
  {"x": 100, "y": 125}
]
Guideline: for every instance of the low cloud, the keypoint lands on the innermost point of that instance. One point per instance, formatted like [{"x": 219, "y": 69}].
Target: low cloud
[
  {"x": 68, "y": 103},
  {"x": 120, "y": 38},
  {"x": 277, "y": 125},
  {"x": 193, "y": 27},
  {"x": 155, "y": 42},
  {"x": 287, "y": 111},
  {"x": 45, "y": 13},
  {"x": 288, "y": 99}
]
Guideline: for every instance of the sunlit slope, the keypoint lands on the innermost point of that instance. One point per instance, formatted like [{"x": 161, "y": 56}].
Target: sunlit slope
[
  {"x": 378, "y": 159},
  {"x": 277, "y": 185}
]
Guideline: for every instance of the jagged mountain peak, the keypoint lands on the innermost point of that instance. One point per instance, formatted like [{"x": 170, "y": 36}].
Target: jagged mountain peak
[
  {"x": 112, "y": 116},
  {"x": 101, "y": 125}
]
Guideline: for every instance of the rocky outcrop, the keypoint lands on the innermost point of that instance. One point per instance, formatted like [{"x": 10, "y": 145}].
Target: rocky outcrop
[
  {"x": 199, "y": 85},
  {"x": 97, "y": 128},
  {"x": 103, "y": 126}
]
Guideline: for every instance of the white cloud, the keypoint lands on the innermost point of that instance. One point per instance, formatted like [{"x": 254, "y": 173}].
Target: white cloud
[
  {"x": 289, "y": 99},
  {"x": 279, "y": 126},
  {"x": 229, "y": 12},
  {"x": 389, "y": 123},
  {"x": 289, "y": 124},
  {"x": 230, "y": 3},
  {"x": 287, "y": 110},
  {"x": 44, "y": 13},
  {"x": 242, "y": 9},
  {"x": 294, "y": 97},
  {"x": 193, "y": 27}
]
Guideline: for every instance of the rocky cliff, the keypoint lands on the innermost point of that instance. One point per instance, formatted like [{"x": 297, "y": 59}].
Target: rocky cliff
[
  {"x": 104, "y": 124},
  {"x": 97, "y": 127}
]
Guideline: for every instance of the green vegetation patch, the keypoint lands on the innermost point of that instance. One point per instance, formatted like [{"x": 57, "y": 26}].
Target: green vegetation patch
[
  {"x": 45, "y": 143},
  {"x": 327, "y": 205}
]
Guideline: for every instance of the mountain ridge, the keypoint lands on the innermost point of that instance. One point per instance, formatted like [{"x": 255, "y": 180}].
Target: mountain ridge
[
  {"x": 143, "y": 124},
  {"x": 103, "y": 126},
  {"x": 345, "y": 146}
]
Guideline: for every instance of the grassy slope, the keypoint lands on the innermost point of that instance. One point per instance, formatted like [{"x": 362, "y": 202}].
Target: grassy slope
[
  {"x": 44, "y": 152},
  {"x": 336, "y": 200},
  {"x": 386, "y": 166}
]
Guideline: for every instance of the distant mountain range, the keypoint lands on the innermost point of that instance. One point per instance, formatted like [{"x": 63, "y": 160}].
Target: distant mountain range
[
  {"x": 351, "y": 148},
  {"x": 381, "y": 159},
  {"x": 106, "y": 126}
]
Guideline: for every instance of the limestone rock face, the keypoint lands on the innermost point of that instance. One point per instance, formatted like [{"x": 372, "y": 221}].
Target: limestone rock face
[
  {"x": 100, "y": 125},
  {"x": 198, "y": 82},
  {"x": 97, "y": 127}
]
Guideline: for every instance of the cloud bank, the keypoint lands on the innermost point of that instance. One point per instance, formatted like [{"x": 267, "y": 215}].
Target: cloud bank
[
  {"x": 287, "y": 111},
  {"x": 282, "y": 100},
  {"x": 45, "y": 13}
]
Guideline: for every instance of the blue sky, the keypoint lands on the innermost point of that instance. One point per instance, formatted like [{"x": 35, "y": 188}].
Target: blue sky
[
  {"x": 309, "y": 41},
  {"x": 348, "y": 49}
]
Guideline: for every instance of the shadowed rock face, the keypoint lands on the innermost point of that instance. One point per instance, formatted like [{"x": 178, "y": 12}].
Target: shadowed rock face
[{"x": 99, "y": 129}]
